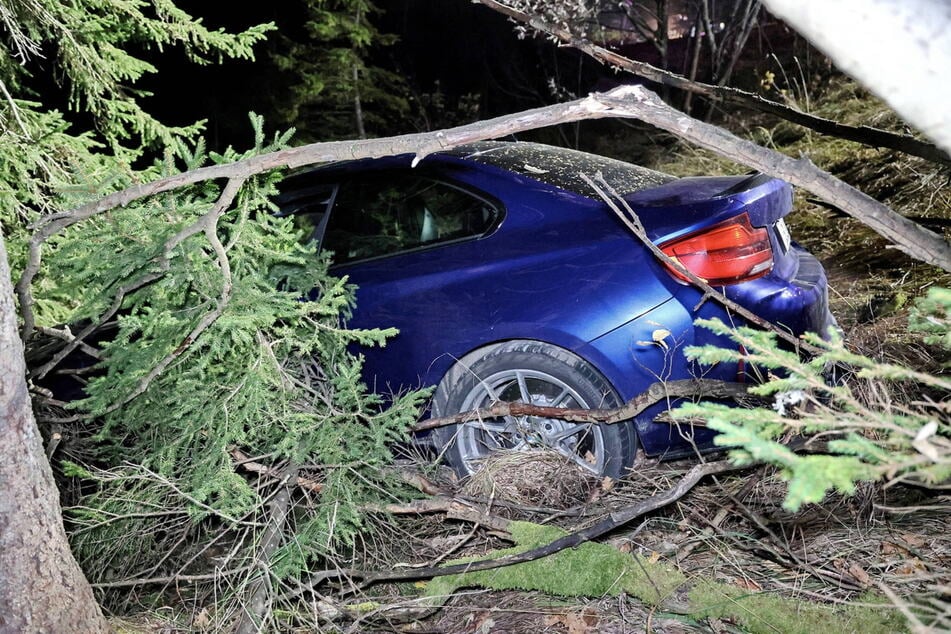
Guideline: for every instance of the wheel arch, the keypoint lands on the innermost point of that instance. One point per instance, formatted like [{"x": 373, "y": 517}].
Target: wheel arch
[{"x": 463, "y": 363}]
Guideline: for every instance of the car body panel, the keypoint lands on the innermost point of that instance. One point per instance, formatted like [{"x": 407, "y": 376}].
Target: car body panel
[{"x": 512, "y": 284}]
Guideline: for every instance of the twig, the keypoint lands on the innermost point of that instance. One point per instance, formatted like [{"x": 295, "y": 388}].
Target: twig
[
  {"x": 916, "y": 625},
  {"x": 150, "y": 581},
  {"x": 247, "y": 464},
  {"x": 256, "y": 611},
  {"x": 627, "y": 215},
  {"x": 722, "y": 514},
  {"x": 65, "y": 335},
  {"x": 787, "y": 558},
  {"x": 420, "y": 482}
]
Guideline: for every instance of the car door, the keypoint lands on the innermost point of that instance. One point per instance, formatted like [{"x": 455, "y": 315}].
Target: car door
[{"x": 409, "y": 241}]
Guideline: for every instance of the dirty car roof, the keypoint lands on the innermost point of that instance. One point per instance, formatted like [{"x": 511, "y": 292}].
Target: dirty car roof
[{"x": 560, "y": 167}]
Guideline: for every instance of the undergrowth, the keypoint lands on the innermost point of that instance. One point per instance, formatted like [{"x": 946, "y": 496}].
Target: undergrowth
[{"x": 224, "y": 378}]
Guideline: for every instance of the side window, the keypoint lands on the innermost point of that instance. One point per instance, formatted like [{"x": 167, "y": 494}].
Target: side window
[
  {"x": 391, "y": 213},
  {"x": 308, "y": 209}
]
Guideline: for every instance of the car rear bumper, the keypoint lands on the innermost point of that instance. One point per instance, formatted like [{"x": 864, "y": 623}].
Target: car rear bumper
[
  {"x": 797, "y": 302},
  {"x": 650, "y": 348}
]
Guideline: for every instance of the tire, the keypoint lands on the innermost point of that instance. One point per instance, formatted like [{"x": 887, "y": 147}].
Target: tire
[{"x": 545, "y": 375}]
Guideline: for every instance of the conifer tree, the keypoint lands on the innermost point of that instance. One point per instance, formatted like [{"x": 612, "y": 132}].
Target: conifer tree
[
  {"x": 210, "y": 354},
  {"x": 336, "y": 91}
]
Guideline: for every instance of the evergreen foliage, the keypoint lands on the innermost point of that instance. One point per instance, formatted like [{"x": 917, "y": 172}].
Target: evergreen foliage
[
  {"x": 90, "y": 43},
  {"x": 230, "y": 341},
  {"x": 886, "y": 421},
  {"x": 271, "y": 377},
  {"x": 335, "y": 89}
]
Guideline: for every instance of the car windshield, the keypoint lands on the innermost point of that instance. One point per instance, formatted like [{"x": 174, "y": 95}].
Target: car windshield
[{"x": 561, "y": 167}]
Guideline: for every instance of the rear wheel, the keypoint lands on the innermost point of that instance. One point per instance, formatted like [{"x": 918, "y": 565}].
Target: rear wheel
[{"x": 539, "y": 374}]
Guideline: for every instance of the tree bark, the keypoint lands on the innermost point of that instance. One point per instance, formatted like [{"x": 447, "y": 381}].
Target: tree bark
[
  {"x": 42, "y": 588},
  {"x": 899, "y": 49}
]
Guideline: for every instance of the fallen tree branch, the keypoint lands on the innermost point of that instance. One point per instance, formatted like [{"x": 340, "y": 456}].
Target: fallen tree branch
[
  {"x": 612, "y": 521},
  {"x": 151, "y": 581},
  {"x": 257, "y": 610},
  {"x": 420, "y": 144},
  {"x": 207, "y": 224},
  {"x": 909, "y": 237},
  {"x": 866, "y": 135},
  {"x": 708, "y": 388},
  {"x": 634, "y": 102},
  {"x": 247, "y": 464},
  {"x": 454, "y": 508}
]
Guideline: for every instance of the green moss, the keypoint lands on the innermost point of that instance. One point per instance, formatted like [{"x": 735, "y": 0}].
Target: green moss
[
  {"x": 589, "y": 570},
  {"x": 770, "y": 613},
  {"x": 596, "y": 570}
]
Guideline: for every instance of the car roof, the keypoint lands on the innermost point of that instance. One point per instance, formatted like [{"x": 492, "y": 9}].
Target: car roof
[
  {"x": 554, "y": 166},
  {"x": 560, "y": 167}
]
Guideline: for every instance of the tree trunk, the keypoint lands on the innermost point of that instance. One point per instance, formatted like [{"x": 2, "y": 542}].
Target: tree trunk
[
  {"x": 357, "y": 104},
  {"x": 899, "y": 49},
  {"x": 42, "y": 588}
]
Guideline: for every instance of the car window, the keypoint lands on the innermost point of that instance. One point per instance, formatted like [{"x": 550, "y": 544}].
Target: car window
[
  {"x": 308, "y": 209},
  {"x": 391, "y": 213}
]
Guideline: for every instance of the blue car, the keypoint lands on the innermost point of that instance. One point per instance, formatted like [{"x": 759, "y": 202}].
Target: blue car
[{"x": 510, "y": 279}]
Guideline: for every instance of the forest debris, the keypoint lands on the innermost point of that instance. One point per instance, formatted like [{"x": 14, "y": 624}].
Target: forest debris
[
  {"x": 576, "y": 621},
  {"x": 538, "y": 477},
  {"x": 859, "y": 574}
]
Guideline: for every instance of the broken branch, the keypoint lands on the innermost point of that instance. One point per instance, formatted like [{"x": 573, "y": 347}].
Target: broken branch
[
  {"x": 709, "y": 388},
  {"x": 864, "y": 134}
]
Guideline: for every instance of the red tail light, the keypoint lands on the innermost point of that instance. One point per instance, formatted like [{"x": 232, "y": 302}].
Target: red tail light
[{"x": 727, "y": 253}]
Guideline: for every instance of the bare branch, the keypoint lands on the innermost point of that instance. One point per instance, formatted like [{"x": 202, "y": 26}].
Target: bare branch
[
  {"x": 709, "y": 388},
  {"x": 623, "y": 102},
  {"x": 859, "y": 134},
  {"x": 420, "y": 144}
]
